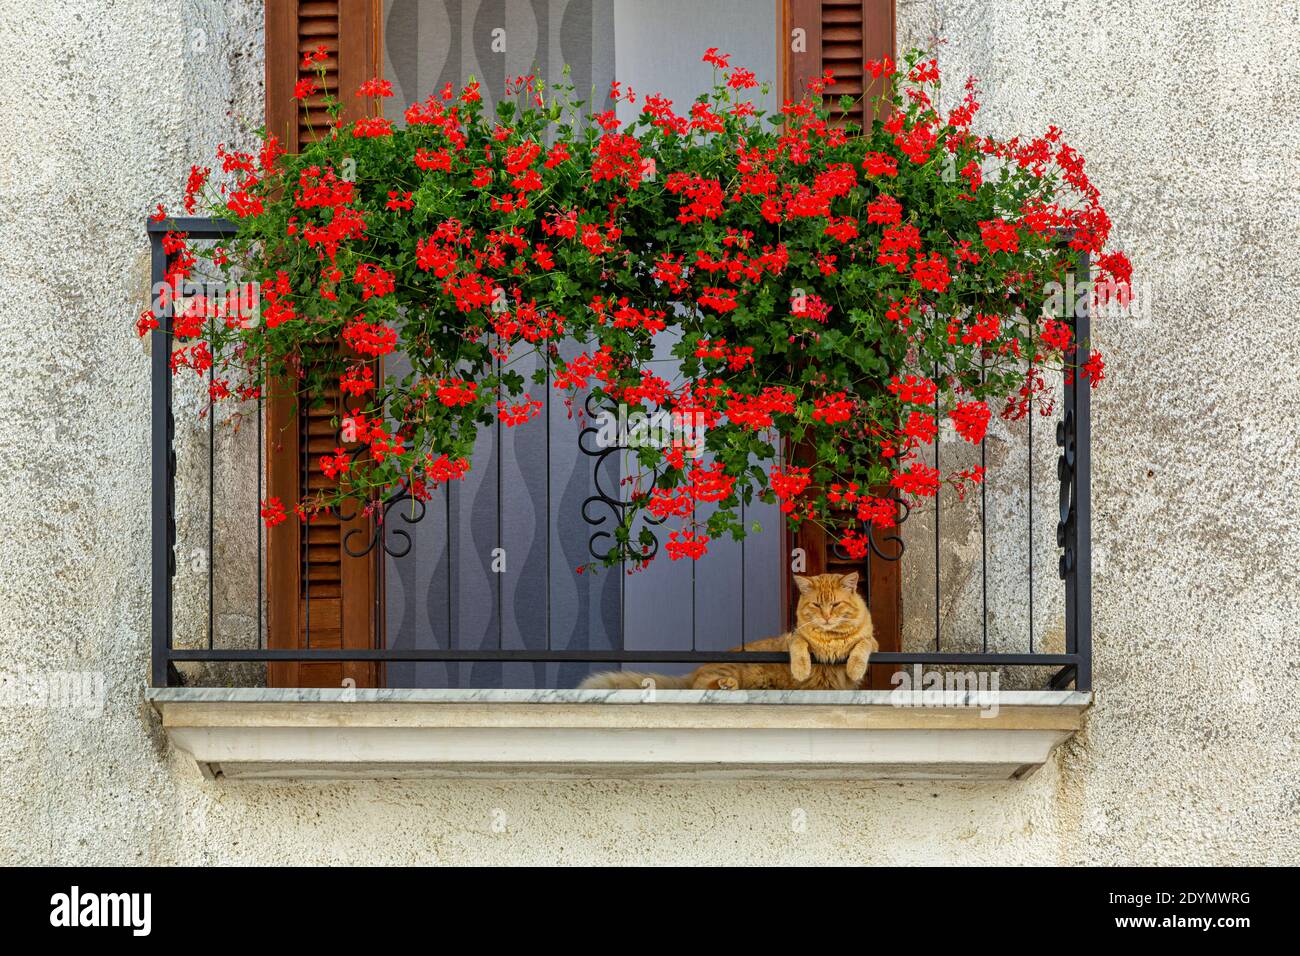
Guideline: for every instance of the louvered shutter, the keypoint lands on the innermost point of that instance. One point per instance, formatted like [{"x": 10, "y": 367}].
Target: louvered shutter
[
  {"x": 840, "y": 36},
  {"x": 318, "y": 595}
]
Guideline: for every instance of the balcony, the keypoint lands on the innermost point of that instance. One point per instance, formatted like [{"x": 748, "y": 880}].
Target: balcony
[{"x": 449, "y": 637}]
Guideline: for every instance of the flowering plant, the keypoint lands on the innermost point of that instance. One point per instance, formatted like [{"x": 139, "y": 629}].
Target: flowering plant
[{"x": 834, "y": 291}]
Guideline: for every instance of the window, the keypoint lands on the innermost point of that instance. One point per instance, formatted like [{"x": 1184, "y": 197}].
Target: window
[{"x": 534, "y": 502}]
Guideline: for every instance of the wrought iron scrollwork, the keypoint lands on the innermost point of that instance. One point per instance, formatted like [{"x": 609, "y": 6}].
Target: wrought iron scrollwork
[
  {"x": 382, "y": 527},
  {"x": 904, "y": 511},
  {"x": 616, "y": 505},
  {"x": 1065, "y": 440}
]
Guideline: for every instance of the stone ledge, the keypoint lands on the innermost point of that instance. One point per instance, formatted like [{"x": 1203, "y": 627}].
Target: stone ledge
[{"x": 850, "y": 735}]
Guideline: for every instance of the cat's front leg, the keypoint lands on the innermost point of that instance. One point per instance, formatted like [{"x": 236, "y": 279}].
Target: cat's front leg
[
  {"x": 800, "y": 659},
  {"x": 856, "y": 665}
]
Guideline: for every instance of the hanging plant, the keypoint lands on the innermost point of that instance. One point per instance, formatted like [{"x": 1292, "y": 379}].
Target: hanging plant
[{"x": 825, "y": 289}]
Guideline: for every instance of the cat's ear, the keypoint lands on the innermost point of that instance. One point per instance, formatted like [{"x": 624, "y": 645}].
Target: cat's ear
[
  {"x": 850, "y": 581},
  {"x": 804, "y": 584}
]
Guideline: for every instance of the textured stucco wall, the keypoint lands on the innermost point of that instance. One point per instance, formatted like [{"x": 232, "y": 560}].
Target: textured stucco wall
[{"x": 1189, "y": 755}]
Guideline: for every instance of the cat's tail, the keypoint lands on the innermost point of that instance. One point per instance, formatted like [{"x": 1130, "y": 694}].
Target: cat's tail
[{"x": 635, "y": 680}]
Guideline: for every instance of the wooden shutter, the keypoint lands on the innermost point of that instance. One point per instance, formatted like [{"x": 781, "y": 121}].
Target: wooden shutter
[
  {"x": 318, "y": 595},
  {"x": 840, "y": 36}
]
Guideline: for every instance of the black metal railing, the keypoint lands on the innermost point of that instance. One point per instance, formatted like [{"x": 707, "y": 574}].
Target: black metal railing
[{"x": 1072, "y": 665}]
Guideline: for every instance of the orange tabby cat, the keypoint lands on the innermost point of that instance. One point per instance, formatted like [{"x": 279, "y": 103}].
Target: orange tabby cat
[{"x": 829, "y": 647}]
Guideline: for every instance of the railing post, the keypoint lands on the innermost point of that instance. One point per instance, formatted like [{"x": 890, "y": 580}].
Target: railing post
[
  {"x": 1074, "y": 435},
  {"x": 1082, "y": 496},
  {"x": 163, "y": 458}
]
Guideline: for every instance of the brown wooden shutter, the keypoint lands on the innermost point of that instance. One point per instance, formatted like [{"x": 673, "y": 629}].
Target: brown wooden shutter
[
  {"x": 840, "y": 36},
  {"x": 318, "y": 595}
]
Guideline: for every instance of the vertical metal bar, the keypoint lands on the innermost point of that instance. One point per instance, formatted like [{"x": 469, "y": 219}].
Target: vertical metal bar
[
  {"x": 937, "y": 491},
  {"x": 984, "y": 529},
  {"x": 694, "y": 609},
  {"x": 548, "y": 498},
  {"x": 378, "y": 561},
  {"x": 500, "y": 575},
  {"x": 743, "y": 541},
  {"x": 163, "y": 469},
  {"x": 450, "y": 555},
  {"x": 622, "y": 600},
  {"x": 1031, "y": 520},
  {"x": 212, "y": 493},
  {"x": 867, "y": 582},
  {"x": 623, "y": 558},
  {"x": 1081, "y": 582},
  {"x": 304, "y": 469},
  {"x": 257, "y": 520}
]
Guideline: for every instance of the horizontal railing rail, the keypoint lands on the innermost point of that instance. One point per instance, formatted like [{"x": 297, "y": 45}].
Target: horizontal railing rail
[{"x": 1073, "y": 530}]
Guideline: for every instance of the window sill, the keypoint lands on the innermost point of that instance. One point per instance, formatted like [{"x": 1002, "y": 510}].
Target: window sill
[{"x": 384, "y": 734}]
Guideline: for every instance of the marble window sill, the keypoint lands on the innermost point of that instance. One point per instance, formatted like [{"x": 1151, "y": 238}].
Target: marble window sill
[{"x": 263, "y": 733}]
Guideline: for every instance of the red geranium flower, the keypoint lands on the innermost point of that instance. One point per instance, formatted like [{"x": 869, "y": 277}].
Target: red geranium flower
[{"x": 273, "y": 512}]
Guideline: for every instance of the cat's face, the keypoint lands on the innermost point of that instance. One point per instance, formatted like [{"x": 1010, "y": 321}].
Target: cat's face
[{"x": 830, "y": 601}]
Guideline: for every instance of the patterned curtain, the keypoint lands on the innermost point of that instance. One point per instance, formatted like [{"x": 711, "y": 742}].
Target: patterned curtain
[
  {"x": 429, "y": 43},
  {"x": 530, "y": 489}
]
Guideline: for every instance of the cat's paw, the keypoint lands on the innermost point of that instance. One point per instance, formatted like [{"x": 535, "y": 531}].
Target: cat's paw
[
  {"x": 728, "y": 683},
  {"x": 801, "y": 669},
  {"x": 856, "y": 669}
]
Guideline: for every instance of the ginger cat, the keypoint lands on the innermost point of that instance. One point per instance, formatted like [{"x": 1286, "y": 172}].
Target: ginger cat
[{"x": 829, "y": 648}]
